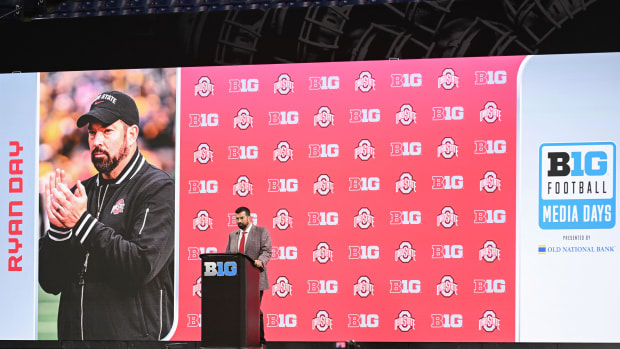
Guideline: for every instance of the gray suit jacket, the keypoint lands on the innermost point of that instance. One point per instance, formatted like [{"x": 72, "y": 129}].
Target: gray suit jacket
[{"x": 257, "y": 246}]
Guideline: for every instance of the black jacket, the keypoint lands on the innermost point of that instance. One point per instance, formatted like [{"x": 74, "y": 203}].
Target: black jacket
[{"x": 115, "y": 273}]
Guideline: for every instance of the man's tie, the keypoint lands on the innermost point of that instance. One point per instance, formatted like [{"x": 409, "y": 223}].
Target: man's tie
[{"x": 242, "y": 243}]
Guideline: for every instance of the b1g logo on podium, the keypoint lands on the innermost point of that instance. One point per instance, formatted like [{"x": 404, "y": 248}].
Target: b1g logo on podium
[
  {"x": 577, "y": 186},
  {"x": 228, "y": 268}
]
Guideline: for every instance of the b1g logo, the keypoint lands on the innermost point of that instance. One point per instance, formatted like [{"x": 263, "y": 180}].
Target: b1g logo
[
  {"x": 489, "y": 286},
  {"x": 406, "y": 115},
  {"x": 323, "y": 151},
  {"x": 364, "y": 115},
  {"x": 490, "y": 182},
  {"x": 404, "y": 322},
  {"x": 405, "y": 252},
  {"x": 322, "y": 322},
  {"x": 203, "y": 186},
  {"x": 204, "y": 87},
  {"x": 448, "y": 79},
  {"x": 490, "y": 113},
  {"x": 489, "y": 252},
  {"x": 365, "y": 82},
  {"x": 364, "y": 219},
  {"x": 364, "y": 183},
  {"x": 364, "y": 252},
  {"x": 283, "y": 85},
  {"x": 324, "y": 117},
  {"x": 283, "y": 118},
  {"x": 203, "y": 120},
  {"x": 447, "y": 251},
  {"x": 203, "y": 154},
  {"x": 282, "y": 220},
  {"x": 363, "y": 320},
  {"x": 282, "y": 287},
  {"x": 405, "y": 217},
  {"x": 282, "y": 185},
  {"x": 490, "y": 77},
  {"x": 242, "y": 152},
  {"x": 448, "y": 113},
  {"x": 405, "y": 183},
  {"x": 243, "y": 119},
  {"x": 322, "y": 218},
  {"x": 281, "y": 320},
  {"x": 323, "y": 286},
  {"x": 324, "y": 83},
  {"x": 405, "y": 286},
  {"x": 243, "y": 187},
  {"x": 447, "y": 287},
  {"x": 323, "y": 253},
  {"x": 243, "y": 85},
  {"x": 488, "y": 322},
  {"x": 284, "y": 253},
  {"x": 194, "y": 320},
  {"x": 577, "y": 186},
  {"x": 228, "y": 268},
  {"x": 194, "y": 252},
  {"x": 447, "y": 218},
  {"x": 446, "y": 320},
  {"x": 447, "y": 182},
  {"x": 202, "y": 221},
  {"x": 490, "y": 146},
  {"x": 406, "y": 80},
  {"x": 283, "y": 152},
  {"x": 489, "y": 216},
  {"x": 448, "y": 148},
  {"x": 323, "y": 185},
  {"x": 406, "y": 148},
  {"x": 364, "y": 287},
  {"x": 364, "y": 150}
]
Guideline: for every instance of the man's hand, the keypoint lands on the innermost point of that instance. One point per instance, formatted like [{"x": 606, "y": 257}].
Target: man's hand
[
  {"x": 258, "y": 263},
  {"x": 64, "y": 208}
]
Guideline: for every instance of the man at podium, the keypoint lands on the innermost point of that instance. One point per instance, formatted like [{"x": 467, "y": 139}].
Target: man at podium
[{"x": 255, "y": 242}]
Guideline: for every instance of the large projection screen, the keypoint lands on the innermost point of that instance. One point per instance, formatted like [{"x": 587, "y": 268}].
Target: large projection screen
[{"x": 468, "y": 199}]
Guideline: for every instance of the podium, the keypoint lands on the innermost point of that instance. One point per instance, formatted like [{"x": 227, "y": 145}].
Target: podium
[{"x": 230, "y": 301}]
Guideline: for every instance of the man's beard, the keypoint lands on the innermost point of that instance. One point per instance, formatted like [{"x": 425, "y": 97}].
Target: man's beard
[
  {"x": 242, "y": 226},
  {"x": 107, "y": 164}
]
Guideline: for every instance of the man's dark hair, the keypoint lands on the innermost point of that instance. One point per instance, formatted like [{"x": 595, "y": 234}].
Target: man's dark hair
[{"x": 243, "y": 209}]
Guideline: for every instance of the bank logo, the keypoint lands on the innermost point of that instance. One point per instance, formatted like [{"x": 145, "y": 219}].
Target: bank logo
[
  {"x": 365, "y": 82},
  {"x": 282, "y": 287},
  {"x": 204, "y": 87},
  {"x": 203, "y": 154},
  {"x": 283, "y": 85},
  {"x": 577, "y": 186},
  {"x": 448, "y": 79},
  {"x": 202, "y": 221}
]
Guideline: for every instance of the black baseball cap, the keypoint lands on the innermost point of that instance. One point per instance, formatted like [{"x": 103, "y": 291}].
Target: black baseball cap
[{"x": 109, "y": 107}]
